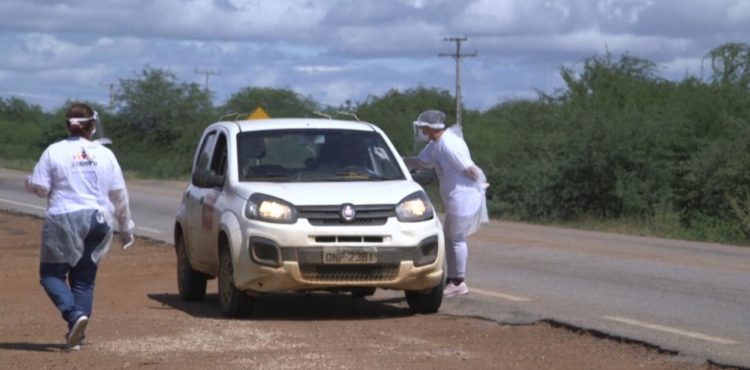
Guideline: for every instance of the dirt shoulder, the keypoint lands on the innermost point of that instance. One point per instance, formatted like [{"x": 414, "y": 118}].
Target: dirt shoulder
[{"x": 139, "y": 322}]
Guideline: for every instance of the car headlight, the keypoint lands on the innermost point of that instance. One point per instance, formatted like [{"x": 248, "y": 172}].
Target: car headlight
[
  {"x": 415, "y": 207},
  {"x": 271, "y": 209}
]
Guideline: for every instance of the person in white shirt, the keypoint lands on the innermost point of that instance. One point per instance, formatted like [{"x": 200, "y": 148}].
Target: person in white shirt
[
  {"x": 462, "y": 190},
  {"x": 85, "y": 189}
]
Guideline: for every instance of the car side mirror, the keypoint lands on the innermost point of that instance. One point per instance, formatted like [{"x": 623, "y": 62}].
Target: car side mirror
[
  {"x": 207, "y": 179},
  {"x": 423, "y": 176}
]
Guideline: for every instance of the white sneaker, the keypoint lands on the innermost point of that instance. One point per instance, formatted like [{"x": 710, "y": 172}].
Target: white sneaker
[
  {"x": 76, "y": 347},
  {"x": 451, "y": 290},
  {"x": 75, "y": 335}
]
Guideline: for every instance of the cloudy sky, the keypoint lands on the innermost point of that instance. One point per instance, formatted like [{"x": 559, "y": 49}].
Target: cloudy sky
[{"x": 334, "y": 50}]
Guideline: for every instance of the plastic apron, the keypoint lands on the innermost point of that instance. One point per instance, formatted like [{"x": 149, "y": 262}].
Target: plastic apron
[{"x": 63, "y": 236}]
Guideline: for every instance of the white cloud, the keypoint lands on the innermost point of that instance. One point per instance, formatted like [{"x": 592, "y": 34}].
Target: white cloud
[
  {"x": 348, "y": 49},
  {"x": 512, "y": 17},
  {"x": 320, "y": 69},
  {"x": 336, "y": 92},
  {"x": 680, "y": 67},
  {"x": 405, "y": 38},
  {"x": 624, "y": 11},
  {"x": 738, "y": 13},
  {"x": 38, "y": 51}
]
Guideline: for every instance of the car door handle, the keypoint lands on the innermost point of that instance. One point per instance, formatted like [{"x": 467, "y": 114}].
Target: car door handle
[{"x": 200, "y": 201}]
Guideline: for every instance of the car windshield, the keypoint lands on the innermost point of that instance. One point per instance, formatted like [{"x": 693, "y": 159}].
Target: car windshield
[{"x": 309, "y": 155}]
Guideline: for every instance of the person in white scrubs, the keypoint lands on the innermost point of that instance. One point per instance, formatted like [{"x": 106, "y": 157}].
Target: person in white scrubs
[
  {"x": 462, "y": 190},
  {"x": 85, "y": 191}
]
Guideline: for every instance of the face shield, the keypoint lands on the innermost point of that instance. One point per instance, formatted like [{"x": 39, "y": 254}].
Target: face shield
[
  {"x": 419, "y": 136},
  {"x": 79, "y": 121},
  {"x": 431, "y": 118}
]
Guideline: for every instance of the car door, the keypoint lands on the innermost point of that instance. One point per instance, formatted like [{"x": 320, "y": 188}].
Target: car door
[
  {"x": 194, "y": 200},
  {"x": 214, "y": 203}
]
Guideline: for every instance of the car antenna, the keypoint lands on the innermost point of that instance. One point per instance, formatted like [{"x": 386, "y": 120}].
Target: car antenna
[
  {"x": 322, "y": 114},
  {"x": 345, "y": 113},
  {"x": 236, "y": 116},
  {"x": 227, "y": 115}
]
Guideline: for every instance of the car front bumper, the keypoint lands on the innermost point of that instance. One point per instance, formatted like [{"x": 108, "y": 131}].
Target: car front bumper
[{"x": 278, "y": 257}]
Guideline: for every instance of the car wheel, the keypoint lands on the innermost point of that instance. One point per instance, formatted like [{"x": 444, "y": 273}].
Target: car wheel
[
  {"x": 234, "y": 302},
  {"x": 363, "y": 292},
  {"x": 190, "y": 283},
  {"x": 425, "y": 301}
]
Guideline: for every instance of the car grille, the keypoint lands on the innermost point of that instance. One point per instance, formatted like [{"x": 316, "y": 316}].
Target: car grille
[
  {"x": 331, "y": 216},
  {"x": 312, "y": 268},
  {"x": 346, "y": 273}
]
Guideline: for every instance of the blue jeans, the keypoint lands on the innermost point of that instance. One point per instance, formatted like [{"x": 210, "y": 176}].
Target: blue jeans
[{"x": 77, "y": 298}]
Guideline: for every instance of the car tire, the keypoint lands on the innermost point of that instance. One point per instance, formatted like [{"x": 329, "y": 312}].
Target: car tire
[
  {"x": 190, "y": 283},
  {"x": 233, "y": 302},
  {"x": 425, "y": 301}
]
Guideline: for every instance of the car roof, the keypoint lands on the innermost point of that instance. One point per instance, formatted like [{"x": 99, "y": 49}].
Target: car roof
[{"x": 299, "y": 123}]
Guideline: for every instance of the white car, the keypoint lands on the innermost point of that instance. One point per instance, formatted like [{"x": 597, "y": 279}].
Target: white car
[{"x": 283, "y": 205}]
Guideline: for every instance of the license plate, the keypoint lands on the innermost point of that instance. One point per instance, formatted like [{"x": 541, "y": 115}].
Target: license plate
[{"x": 338, "y": 256}]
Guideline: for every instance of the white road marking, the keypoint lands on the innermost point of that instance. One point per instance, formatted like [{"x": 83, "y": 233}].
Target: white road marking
[
  {"x": 667, "y": 329},
  {"x": 146, "y": 229},
  {"x": 149, "y": 230},
  {"x": 22, "y": 204},
  {"x": 490, "y": 293}
]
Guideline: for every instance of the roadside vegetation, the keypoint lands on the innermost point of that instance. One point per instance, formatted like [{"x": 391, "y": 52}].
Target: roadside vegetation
[{"x": 617, "y": 148}]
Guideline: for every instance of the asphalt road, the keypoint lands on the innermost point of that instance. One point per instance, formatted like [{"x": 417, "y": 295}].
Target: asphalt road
[{"x": 687, "y": 297}]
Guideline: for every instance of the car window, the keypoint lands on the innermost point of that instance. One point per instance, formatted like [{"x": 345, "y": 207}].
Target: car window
[
  {"x": 219, "y": 162},
  {"x": 204, "y": 158},
  {"x": 315, "y": 155}
]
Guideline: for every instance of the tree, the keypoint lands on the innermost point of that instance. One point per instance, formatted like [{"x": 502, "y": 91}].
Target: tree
[
  {"x": 730, "y": 64},
  {"x": 395, "y": 111},
  {"x": 278, "y": 103},
  {"x": 22, "y": 129},
  {"x": 158, "y": 108},
  {"x": 158, "y": 122}
]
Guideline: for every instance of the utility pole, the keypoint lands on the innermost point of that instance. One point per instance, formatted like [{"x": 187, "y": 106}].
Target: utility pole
[
  {"x": 457, "y": 55},
  {"x": 111, "y": 96},
  {"x": 111, "y": 86},
  {"x": 207, "y": 72}
]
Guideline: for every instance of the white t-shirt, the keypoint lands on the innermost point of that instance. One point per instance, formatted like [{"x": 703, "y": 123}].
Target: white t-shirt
[
  {"x": 79, "y": 174},
  {"x": 461, "y": 195}
]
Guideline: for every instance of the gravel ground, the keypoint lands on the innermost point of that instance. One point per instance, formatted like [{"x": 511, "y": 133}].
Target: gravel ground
[{"x": 139, "y": 322}]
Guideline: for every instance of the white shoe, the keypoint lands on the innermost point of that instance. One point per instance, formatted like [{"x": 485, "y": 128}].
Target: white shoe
[
  {"x": 75, "y": 335},
  {"x": 77, "y": 347},
  {"x": 452, "y": 290}
]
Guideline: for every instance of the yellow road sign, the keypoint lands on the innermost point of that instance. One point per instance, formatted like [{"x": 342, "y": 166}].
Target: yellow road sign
[{"x": 258, "y": 113}]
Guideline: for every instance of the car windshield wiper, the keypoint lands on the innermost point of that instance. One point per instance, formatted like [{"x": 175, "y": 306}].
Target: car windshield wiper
[
  {"x": 362, "y": 176},
  {"x": 273, "y": 175}
]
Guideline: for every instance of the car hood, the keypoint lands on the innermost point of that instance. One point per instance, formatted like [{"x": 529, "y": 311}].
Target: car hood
[{"x": 332, "y": 193}]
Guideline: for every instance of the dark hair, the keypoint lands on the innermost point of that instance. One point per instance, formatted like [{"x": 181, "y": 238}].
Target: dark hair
[{"x": 80, "y": 110}]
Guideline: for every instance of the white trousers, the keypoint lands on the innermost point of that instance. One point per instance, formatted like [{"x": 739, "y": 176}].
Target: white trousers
[{"x": 456, "y": 253}]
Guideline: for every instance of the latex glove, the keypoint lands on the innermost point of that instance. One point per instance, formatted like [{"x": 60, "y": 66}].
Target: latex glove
[
  {"x": 127, "y": 239},
  {"x": 412, "y": 163}
]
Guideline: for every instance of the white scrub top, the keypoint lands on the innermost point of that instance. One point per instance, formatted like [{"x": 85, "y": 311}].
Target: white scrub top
[
  {"x": 79, "y": 174},
  {"x": 78, "y": 177},
  {"x": 461, "y": 195}
]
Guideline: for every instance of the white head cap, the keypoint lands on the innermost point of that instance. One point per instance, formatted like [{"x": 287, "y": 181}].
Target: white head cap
[{"x": 433, "y": 119}]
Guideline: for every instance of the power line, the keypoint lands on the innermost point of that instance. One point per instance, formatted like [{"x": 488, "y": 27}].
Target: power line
[
  {"x": 457, "y": 55},
  {"x": 207, "y": 72}
]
